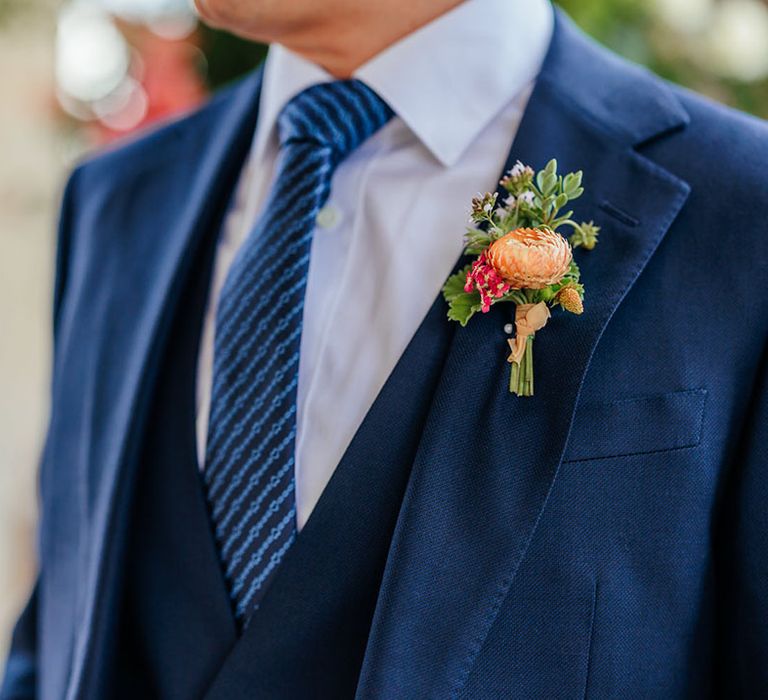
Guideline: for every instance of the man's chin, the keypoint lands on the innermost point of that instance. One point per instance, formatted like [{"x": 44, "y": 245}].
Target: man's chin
[
  {"x": 231, "y": 21},
  {"x": 203, "y": 11},
  {"x": 214, "y": 17}
]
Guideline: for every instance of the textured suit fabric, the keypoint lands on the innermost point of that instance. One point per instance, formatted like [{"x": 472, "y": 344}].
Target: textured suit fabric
[
  {"x": 310, "y": 635},
  {"x": 604, "y": 538},
  {"x": 171, "y": 576}
]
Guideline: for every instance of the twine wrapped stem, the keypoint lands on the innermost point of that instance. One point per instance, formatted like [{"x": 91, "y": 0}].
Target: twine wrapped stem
[{"x": 529, "y": 318}]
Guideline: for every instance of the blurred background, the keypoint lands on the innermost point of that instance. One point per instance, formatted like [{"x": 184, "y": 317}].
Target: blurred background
[{"x": 80, "y": 73}]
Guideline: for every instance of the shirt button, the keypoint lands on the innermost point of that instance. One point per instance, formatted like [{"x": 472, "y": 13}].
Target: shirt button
[{"x": 328, "y": 217}]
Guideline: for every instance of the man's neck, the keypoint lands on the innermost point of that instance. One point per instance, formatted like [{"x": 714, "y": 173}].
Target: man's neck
[{"x": 343, "y": 45}]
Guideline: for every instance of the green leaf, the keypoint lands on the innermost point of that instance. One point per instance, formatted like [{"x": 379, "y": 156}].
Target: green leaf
[
  {"x": 561, "y": 200},
  {"x": 462, "y": 307},
  {"x": 571, "y": 183},
  {"x": 454, "y": 285},
  {"x": 551, "y": 167}
]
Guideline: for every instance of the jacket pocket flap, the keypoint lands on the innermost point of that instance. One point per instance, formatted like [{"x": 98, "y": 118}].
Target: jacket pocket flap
[{"x": 636, "y": 426}]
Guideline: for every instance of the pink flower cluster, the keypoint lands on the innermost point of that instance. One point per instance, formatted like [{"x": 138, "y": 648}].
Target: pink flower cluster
[{"x": 485, "y": 279}]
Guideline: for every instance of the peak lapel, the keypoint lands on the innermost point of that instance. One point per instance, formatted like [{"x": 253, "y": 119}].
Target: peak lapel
[
  {"x": 488, "y": 459},
  {"x": 197, "y": 185}
]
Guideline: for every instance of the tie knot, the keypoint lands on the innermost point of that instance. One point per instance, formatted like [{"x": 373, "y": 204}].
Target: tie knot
[{"x": 341, "y": 115}]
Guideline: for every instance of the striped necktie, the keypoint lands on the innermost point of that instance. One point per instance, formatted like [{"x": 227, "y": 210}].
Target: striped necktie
[{"x": 250, "y": 452}]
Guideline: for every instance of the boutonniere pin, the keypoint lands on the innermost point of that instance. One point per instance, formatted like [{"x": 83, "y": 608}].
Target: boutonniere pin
[{"x": 523, "y": 259}]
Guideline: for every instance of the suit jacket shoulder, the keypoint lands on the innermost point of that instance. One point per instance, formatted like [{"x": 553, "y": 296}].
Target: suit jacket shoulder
[
  {"x": 154, "y": 146},
  {"x": 118, "y": 203},
  {"x": 722, "y": 155},
  {"x": 725, "y": 149}
]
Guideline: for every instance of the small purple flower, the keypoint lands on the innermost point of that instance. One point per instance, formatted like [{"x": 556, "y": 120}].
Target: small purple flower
[
  {"x": 517, "y": 169},
  {"x": 526, "y": 198}
]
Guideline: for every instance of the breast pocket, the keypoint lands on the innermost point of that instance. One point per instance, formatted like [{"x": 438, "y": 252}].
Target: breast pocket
[{"x": 637, "y": 426}]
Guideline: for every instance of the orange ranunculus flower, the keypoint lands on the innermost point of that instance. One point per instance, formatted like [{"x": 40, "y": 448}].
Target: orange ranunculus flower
[{"x": 531, "y": 258}]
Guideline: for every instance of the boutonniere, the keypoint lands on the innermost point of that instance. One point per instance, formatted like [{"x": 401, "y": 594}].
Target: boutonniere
[{"x": 522, "y": 258}]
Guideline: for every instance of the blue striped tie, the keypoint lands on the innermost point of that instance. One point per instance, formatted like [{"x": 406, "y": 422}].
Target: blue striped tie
[{"x": 249, "y": 469}]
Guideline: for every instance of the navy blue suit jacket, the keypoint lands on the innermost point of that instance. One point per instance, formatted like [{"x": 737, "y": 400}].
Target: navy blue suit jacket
[{"x": 607, "y": 537}]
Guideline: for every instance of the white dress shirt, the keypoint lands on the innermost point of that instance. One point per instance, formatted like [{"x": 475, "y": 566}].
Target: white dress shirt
[{"x": 393, "y": 227}]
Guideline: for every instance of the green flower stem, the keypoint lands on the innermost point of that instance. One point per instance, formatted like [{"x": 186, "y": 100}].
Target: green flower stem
[
  {"x": 514, "y": 377},
  {"x": 521, "y": 374},
  {"x": 528, "y": 359}
]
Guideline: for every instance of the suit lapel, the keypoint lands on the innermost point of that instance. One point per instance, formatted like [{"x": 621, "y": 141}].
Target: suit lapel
[
  {"x": 195, "y": 190},
  {"x": 488, "y": 460}
]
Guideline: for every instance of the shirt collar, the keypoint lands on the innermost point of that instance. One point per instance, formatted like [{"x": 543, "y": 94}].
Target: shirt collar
[{"x": 446, "y": 81}]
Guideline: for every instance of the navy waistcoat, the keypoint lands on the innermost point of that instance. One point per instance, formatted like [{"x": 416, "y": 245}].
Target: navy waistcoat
[{"x": 175, "y": 636}]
